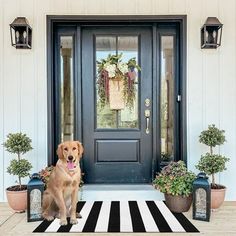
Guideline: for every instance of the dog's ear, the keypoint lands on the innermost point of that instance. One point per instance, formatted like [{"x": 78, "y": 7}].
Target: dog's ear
[
  {"x": 80, "y": 149},
  {"x": 60, "y": 151}
]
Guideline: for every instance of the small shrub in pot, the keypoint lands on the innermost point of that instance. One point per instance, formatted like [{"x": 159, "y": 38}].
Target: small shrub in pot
[
  {"x": 19, "y": 144},
  {"x": 212, "y": 164}
]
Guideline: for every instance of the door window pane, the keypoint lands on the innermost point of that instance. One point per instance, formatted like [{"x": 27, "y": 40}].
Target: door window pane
[
  {"x": 167, "y": 100},
  {"x": 105, "y": 45},
  {"x": 66, "y": 88},
  {"x": 127, "y": 116}
]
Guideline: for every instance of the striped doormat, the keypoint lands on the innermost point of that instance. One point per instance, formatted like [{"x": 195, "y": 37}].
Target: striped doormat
[{"x": 122, "y": 216}]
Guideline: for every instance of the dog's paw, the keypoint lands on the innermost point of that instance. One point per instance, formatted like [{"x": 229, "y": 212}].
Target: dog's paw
[
  {"x": 73, "y": 221},
  {"x": 48, "y": 217},
  {"x": 78, "y": 215},
  {"x": 63, "y": 222}
]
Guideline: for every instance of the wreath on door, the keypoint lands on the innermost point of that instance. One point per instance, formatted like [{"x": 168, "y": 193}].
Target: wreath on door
[{"x": 116, "y": 81}]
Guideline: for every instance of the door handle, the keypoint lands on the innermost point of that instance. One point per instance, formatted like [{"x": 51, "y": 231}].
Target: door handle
[{"x": 147, "y": 115}]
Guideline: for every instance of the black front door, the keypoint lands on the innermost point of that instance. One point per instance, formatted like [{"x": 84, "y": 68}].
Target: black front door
[
  {"x": 123, "y": 143},
  {"x": 117, "y": 142}
]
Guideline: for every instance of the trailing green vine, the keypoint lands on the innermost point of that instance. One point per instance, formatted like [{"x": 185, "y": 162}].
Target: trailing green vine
[{"x": 113, "y": 68}]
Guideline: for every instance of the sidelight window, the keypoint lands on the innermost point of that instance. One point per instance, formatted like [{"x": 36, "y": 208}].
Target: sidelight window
[
  {"x": 66, "y": 88},
  {"x": 167, "y": 99}
]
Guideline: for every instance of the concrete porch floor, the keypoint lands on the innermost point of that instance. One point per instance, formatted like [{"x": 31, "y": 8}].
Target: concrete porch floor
[{"x": 223, "y": 222}]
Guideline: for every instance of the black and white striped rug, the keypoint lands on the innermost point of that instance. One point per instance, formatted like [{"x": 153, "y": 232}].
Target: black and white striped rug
[{"x": 122, "y": 216}]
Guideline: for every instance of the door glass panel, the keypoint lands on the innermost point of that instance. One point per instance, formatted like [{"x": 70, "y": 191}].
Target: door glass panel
[
  {"x": 66, "y": 88},
  {"x": 105, "y": 45},
  {"x": 167, "y": 100},
  {"x": 127, "y": 117}
]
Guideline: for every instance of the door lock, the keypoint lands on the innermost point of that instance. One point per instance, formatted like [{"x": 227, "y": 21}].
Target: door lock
[
  {"x": 147, "y": 102},
  {"x": 147, "y": 113}
]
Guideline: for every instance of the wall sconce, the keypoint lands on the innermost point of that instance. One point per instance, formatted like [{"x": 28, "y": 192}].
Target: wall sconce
[
  {"x": 211, "y": 33},
  {"x": 21, "y": 33}
]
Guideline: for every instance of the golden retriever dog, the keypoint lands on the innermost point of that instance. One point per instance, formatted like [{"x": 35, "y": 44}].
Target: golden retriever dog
[{"x": 61, "y": 196}]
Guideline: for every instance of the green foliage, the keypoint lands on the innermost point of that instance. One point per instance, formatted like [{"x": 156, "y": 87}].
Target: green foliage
[
  {"x": 18, "y": 143},
  {"x": 129, "y": 94},
  {"x": 212, "y": 136},
  {"x": 211, "y": 164},
  {"x": 111, "y": 68},
  {"x": 20, "y": 168},
  {"x": 175, "y": 179},
  {"x": 165, "y": 156}
]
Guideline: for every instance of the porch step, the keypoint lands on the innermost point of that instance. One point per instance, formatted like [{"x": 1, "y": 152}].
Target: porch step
[{"x": 118, "y": 192}]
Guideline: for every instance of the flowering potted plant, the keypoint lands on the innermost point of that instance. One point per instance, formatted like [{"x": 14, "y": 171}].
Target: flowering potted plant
[
  {"x": 176, "y": 182},
  {"x": 45, "y": 174},
  {"x": 114, "y": 69}
]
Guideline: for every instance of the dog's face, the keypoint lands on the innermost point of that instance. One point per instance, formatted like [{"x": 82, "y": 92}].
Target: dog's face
[{"x": 70, "y": 153}]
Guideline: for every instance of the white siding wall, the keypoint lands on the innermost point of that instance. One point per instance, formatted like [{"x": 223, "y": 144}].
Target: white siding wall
[{"x": 211, "y": 74}]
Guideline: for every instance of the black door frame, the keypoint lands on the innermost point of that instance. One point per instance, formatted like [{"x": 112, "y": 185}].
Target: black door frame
[{"x": 179, "y": 20}]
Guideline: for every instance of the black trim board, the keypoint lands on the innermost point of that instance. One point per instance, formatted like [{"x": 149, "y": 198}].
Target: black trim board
[{"x": 53, "y": 20}]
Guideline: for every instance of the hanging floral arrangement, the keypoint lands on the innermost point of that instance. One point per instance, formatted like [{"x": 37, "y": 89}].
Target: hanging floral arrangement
[{"x": 113, "y": 71}]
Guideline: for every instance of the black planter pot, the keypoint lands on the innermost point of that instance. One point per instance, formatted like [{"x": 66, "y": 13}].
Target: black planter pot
[{"x": 178, "y": 203}]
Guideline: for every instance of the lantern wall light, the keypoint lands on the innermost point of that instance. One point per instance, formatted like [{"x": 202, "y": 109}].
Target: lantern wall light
[
  {"x": 211, "y": 33},
  {"x": 21, "y": 33}
]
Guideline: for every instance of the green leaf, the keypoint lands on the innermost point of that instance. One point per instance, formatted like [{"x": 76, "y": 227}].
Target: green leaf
[
  {"x": 20, "y": 168},
  {"x": 175, "y": 179},
  {"x": 18, "y": 143},
  {"x": 212, "y": 136}
]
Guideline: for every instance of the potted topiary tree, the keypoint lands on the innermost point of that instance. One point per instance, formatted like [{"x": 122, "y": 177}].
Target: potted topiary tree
[
  {"x": 176, "y": 182},
  {"x": 211, "y": 163},
  {"x": 19, "y": 144}
]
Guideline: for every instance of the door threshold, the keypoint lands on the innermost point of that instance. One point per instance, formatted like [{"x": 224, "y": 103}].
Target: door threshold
[
  {"x": 118, "y": 187},
  {"x": 119, "y": 192}
]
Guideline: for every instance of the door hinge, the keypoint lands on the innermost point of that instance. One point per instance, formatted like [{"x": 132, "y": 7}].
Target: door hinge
[{"x": 179, "y": 98}]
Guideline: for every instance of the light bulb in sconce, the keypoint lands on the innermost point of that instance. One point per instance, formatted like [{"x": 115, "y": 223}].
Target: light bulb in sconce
[
  {"x": 17, "y": 36},
  {"x": 214, "y": 36},
  {"x": 207, "y": 35},
  {"x": 24, "y": 36}
]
